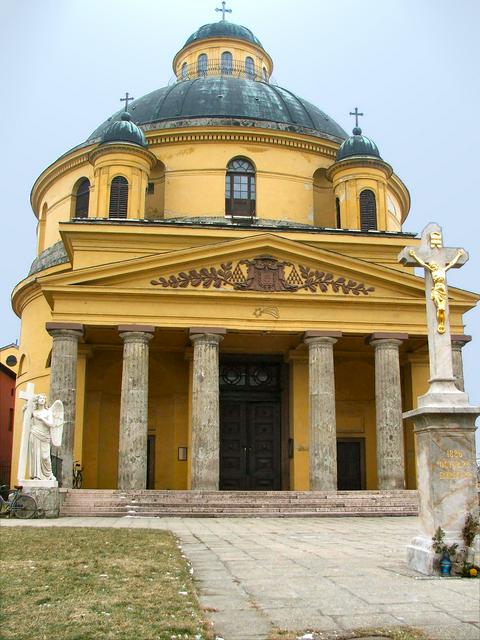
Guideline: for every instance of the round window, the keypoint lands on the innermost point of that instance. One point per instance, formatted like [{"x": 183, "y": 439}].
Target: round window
[{"x": 11, "y": 361}]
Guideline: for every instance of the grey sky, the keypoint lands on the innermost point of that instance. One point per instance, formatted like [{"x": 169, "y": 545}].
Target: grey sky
[{"x": 412, "y": 66}]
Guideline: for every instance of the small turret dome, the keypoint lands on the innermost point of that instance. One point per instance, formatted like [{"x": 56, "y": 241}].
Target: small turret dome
[
  {"x": 357, "y": 145},
  {"x": 223, "y": 29},
  {"x": 124, "y": 130}
]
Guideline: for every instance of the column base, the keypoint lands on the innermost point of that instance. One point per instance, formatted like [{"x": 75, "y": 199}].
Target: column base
[{"x": 421, "y": 557}]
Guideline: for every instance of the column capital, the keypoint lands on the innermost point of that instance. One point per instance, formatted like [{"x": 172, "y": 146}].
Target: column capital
[
  {"x": 460, "y": 340},
  {"x": 136, "y": 328},
  {"x": 385, "y": 338},
  {"x": 65, "y": 329},
  {"x": 321, "y": 337},
  {"x": 207, "y": 334}
]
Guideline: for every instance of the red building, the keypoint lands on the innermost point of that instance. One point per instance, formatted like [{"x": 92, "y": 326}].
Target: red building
[{"x": 7, "y": 403}]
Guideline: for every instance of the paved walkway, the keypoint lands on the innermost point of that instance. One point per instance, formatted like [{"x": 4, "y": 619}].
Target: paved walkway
[{"x": 327, "y": 574}]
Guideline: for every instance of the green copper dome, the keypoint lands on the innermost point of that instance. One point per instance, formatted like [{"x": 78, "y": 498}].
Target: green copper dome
[
  {"x": 217, "y": 101},
  {"x": 223, "y": 29},
  {"x": 123, "y": 130},
  {"x": 357, "y": 145}
]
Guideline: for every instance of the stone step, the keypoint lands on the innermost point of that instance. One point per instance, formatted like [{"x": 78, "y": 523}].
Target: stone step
[{"x": 116, "y": 503}]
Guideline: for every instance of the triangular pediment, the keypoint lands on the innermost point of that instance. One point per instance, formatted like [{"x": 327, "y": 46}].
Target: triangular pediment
[{"x": 266, "y": 262}]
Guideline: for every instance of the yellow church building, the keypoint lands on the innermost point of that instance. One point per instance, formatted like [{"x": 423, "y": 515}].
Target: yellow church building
[{"x": 216, "y": 296}]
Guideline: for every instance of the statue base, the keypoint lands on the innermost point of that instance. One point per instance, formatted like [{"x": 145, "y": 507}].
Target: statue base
[
  {"x": 45, "y": 484},
  {"x": 446, "y": 476}
]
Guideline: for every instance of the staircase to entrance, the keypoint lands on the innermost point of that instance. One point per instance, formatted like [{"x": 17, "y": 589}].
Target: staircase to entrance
[{"x": 117, "y": 503}]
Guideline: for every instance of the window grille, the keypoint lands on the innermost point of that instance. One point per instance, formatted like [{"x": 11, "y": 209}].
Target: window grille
[
  {"x": 82, "y": 198},
  {"x": 227, "y": 63},
  {"x": 118, "y": 198},
  {"x": 202, "y": 64},
  {"x": 249, "y": 67},
  {"x": 240, "y": 188},
  {"x": 368, "y": 210}
]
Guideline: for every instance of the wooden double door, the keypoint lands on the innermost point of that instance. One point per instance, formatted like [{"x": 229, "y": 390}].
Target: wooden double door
[{"x": 250, "y": 427}]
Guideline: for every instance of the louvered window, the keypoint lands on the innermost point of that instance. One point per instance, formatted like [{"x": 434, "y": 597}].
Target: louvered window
[
  {"x": 337, "y": 209},
  {"x": 202, "y": 64},
  {"x": 118, "y": 198},
  {"x": 240, "y": 189},
  {"x": 227, "y": 63},
  {"x": 82, "y": 198},
  {"x": 249, "y": 67},
  {"x": 368, "y": 210},
  {"x": 184, "y": 71}
]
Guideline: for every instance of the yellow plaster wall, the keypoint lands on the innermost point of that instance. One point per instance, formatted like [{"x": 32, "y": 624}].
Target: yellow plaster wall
[
  {"x": 355, "y": 401},
  {"x": 167, "y": 418},
  {"x": 299, "y": 423}
]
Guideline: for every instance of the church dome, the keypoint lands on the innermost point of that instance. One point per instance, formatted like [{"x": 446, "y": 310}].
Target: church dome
[
  {"x": 123, "y": 129},
  {"x": 206, "y": 101},
  {"x": 223, "y": 29},
  {"x": 357, "y": 145}
]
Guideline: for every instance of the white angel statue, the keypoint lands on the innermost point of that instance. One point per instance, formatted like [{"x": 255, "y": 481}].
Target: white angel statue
[{"x": 45, "y": 427}]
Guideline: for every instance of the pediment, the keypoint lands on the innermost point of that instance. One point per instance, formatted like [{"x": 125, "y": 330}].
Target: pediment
[{"x": 267, "y": 263}]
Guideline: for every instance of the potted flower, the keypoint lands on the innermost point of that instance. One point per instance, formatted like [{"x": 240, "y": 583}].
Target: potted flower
[
  {"x": 470, "y": 530},
  {"x": 445, "y": 551}
]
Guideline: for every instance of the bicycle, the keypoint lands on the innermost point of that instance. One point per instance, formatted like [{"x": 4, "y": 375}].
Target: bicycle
[
  {"x": 17, "y": 504},
  {"x": 77, "y": 475}
]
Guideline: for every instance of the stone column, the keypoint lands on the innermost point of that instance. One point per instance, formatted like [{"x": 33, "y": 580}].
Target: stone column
[
  {"x": 205, "y": 448},
  {"x": 132, "y": 453},
  {"x": 388, "y": 404},
  {"x": 323, "y": 427},
  {"x": 63, "y": 381},
  {"x": 458, "y": 342}
]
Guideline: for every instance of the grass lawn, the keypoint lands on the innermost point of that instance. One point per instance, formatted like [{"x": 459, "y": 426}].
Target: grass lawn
[{"x": 83, "y": 584}]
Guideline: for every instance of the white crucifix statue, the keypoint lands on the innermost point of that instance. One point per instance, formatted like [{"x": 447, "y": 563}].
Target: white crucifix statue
[{"x": 437, "y": 260}]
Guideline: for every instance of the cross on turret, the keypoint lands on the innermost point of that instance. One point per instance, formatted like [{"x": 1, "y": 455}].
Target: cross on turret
[
  {"x": 127, "y": 99},
  {"x": 356, "y": 113},
  {"x": 223, "y": 10}
]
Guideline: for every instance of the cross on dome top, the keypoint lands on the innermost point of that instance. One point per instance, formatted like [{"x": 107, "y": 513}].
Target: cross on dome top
[
  {"x": 127, "y": 99},
  {"x": 356, "y": 113},
  {"x": 223, "y": 10}
]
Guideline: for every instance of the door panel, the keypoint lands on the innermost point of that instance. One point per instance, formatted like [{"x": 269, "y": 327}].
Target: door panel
[
  {"x": 249, "y": 445},
  {"x": 350, "y": 464}
]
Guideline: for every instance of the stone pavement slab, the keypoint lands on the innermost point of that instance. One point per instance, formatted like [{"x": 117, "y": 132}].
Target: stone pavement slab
[{"x": 330, "y": 574}]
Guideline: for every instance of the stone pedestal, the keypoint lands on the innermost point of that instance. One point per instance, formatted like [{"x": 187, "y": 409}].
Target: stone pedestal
[
  {"x": 205, "y": 447},
  {"x": 447, "y": 479},
  {"x": 63, "y": 380},
  {"x": 323, "y": 427},
  {"x": 132, "y": 453},
  {"x": 388, "y": 406},
  {"x": 49, "y": 499}
]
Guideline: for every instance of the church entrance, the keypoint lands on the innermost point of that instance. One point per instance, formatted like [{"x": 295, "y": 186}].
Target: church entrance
[{"x": 251, "y": 425}]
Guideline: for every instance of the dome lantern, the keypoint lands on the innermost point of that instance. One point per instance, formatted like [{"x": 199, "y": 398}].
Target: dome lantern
[{"x": 124, "y": 130}]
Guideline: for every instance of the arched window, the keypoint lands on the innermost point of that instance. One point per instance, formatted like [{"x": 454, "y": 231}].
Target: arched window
[
  {"x": 240, "y": 192},
  {"x": 202, "y": 64},
  {"x": 368, "y": 210},
  {"x": 249, "y": 67},
  {"x": 337, "y": 211},
  {"x": 184, "y": 71},
  {"x": 118, "y": 198},
  {"x": 82, "y": 197},
  {"x": 265, "y": 75},
  {"x": 227, "y": 63}
]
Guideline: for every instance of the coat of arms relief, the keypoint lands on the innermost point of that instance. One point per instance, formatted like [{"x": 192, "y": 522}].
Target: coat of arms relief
[{"x": 264, "y": 273}]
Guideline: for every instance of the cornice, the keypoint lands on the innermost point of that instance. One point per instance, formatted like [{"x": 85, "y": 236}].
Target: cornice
[
  {"x": 360, "y": 161},
  {"x": 119, "y": 147},
  {"x": 208, "y": 135},
  {"x": 54, "y": 171}
]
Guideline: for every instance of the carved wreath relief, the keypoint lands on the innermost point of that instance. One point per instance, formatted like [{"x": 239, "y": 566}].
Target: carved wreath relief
[{"x": 264, "y": 273}]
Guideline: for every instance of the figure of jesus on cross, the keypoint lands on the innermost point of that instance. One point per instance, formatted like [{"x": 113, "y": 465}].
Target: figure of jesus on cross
[{"x": 436, "y": 260}]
